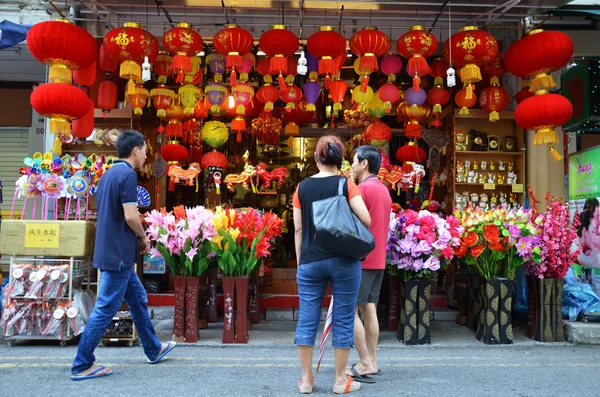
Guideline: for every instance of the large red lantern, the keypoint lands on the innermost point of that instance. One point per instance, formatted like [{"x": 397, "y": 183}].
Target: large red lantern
[
  {"x": 471, "y": 49},
  {"x": 182, "y": 42},
  {"x": 416, "y": 45},
  {"x": 537, "y": 55},
  {"x": 63, "y": 46},
  {"x": 279, "y": 43},
  {"x": 369, "y": 44},
  {"x": 214, "y": 159},
  {"x": 85, "y": 77},
  {"x": 378, "y": 134},
  {"x": 174, "y": 153},
  {"x": 106, "y": 63},
  {"x": 107, "y": 96},
  {"x": 61, "y": 103},
  {"x": 233, "y": 42},
  {"x": 495, "y": 69},
  {"x": 411, "y": 153},
  {"x": 129, "y": 45},
  {"x": 463, "y": 102},
  {"x": 83, "y": 127},
  {"x": 326, "y": 45},
  {"x": 268, "y": 94},
  {"x": 543, "y": 113},
  {"x": 493, "y": 100},
  {"x": 291, "y": 96}
]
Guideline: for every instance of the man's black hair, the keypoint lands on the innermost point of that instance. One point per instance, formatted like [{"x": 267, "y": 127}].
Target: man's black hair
[
  {"x": 371, "y": 154},
  {"x": 127, "y": 141}
]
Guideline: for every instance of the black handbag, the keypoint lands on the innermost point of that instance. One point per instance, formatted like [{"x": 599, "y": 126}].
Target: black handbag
[{"x": 338, "y": 229}]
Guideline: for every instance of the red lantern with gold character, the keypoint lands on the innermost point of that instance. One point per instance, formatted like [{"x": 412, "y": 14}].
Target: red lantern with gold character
[
  {"x": 437, "y": 97},
  {"x": 233, "y": 42},
  {"x": 175, "y": 114},
  {"x": 493, "y": 100},
  {"x": 416, "y": 45},
  {"x": 326, "y": 45},
  {"x": 138, "y": 98},
  {"x": 129, "y": 46},
  {"x": 182, "y": 42},
  {"x": 438, "y": 71},
  {"x": 63, "y": 46},
  {"x": 495, "y": 69},
  {"x": 279, "y": 44},
  {"x": 162, "y": 99},
  {"x": 291, "y": 96},
  {"x": 471, "y": 49},
  {"x": 369, "y": 44}
]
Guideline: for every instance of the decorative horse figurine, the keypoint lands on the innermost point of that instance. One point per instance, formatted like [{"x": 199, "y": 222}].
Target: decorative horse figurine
[
  {"x": 266, "y": 177},
  {"x": 178, "y": 174}
]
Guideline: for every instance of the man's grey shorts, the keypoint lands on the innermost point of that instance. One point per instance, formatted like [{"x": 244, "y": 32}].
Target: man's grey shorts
[{"x": 370, "y": 286}]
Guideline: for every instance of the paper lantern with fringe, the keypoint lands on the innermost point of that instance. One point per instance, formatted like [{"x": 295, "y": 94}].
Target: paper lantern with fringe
[
  {"x": 417, "y": 44},
  {"x": 362, "y": 98},
  {"x": 83, "y": 127},
  {"x": 326, "y": 45},
  {"x": 389, "y": 94},
  {"x": 391, "y": 65},
  {"x": 162, "y": 66},
  {"x": 338, "y": 89},
  {"x": 216, "y": 64},
  {"x": 464, "y": 103},
  {"x": 214, "y": 159},
  {"x": 378, "y": 134},
  {"x": 85, "y": 77},
  {"x": 162, "y": 99},
  {"x": 107, "y": 96},
  {"x": 138, "y": 98},
  {"x": 217, "y": 95},
  {"x": 279, "y": 44},
  {"x": 106, "y": 63},
  {"x": 243, "y": 94},
  {"x": 291, "y": 96},
  {"x": 268, "y": 95},
  {"x": 312, "y": 91},
  {"x": 493, "y": 100},
  {"x": 438, "y": 71},
  {"x": 215, "y": 133},
  {"x": 197, "y": 74},
  {"x": 543, "y": 113},
  {"x": 183, "y": 42},
  {"x": 495, "y": 69},
  {"x": 369, "y": 44},
  {"x": 175, "y": 114},
  {"x": 189, "y": 95},
  {"x": 233, "y": 42},
  {"x": 438, "y": 97}
]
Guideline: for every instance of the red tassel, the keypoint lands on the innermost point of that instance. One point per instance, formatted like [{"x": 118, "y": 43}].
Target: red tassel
[
  {"x": 234, "y": 61},
  {"x": 413, "y": 131},
  {"x": 233, "y": 78},
  {"x": 182, "y": 64},
  {"x": 282, "y": 86},
  {"x": 327, "y": 66},
  {"x": 278, "y": 65},
  {"x": 436, "y": 123},
  {"x": 174, "y": 130},
  {"x": 364, "y": 84},
  {"x": 327, "y": 81},
  {"x": 180, "y": 77},
  {"x": 368, "y": 64},
  {"x": 238, "y": 139},
  {"x": 417, "y": 66},
  {"x": 416, "y": 83},
  {"x": 157, "y": 190}
]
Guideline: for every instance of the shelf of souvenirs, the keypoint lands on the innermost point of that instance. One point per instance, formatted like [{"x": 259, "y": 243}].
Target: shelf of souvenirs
[
  {"x": 482, "y": 114},
  {"x": 488, "y": 153},
  {"x": 515, "y": 187}
]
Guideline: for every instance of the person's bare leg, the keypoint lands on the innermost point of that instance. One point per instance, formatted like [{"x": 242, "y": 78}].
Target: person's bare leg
[
  {"x": 305, "y": 353},
  {"x": 369, "y": 315},
  {"x": 364, "y": 365},
  {"x": 341, "y": 362}
]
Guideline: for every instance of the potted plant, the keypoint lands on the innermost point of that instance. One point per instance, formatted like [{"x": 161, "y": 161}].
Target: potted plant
[{"x": 419, "y": 244}]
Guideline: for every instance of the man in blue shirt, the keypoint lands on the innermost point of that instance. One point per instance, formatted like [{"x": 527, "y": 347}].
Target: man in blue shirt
[{"x": 118, "y": 233}]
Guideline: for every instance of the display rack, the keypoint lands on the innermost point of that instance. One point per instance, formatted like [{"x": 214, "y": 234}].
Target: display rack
[{"x": 38, "y": 302}]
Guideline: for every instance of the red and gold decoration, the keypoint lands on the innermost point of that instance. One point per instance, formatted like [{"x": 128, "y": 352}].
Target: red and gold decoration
[
  {"x": 369, "y": 44},
  {"x": 267, "y": 128},
  {"x": 391, "y": 65},
  {"x": 217, "y": 95},
  {"x": 463, "y": 102},
  {"x": 268, "y": 94},
  {"x": 162, "y": 66},
  {"x": 83, "y": 127},
  {"x": 197, "y": 74},
  {"x": 389, "y": 94},
  {"x": 413, "y": 119},
  {"x": 63, "y": 46},
  {"x": 362, "y": 98},
  {"x": 137, "y": 97},
  {"x": 438, "y": 71},
  {"x": 233, "y": 42},
  {"x": 378, "y": 134},
  {"x": 417, "y": 44},
  {"x": 326, "y": 45},
  {"x": 537, "y": 55},
  {"x": 543, "y": 113},
  {"x": 337, "y": 90},
  {"x": 182, "y": 42},
  {"x": 291, "y": 96},
  {"x": 279, "y": 44},
  {"x": 242, "y": 93},
  {"x": 493, "y": 100},
  {"x": 296, "y": 118},
  {"x": 471, "y": 49},
  {"x": 175, "y": 114},
  {"x": 496, "y": 69},
  {"x": 247, "y": 103},
  {"x": 263, "y": 68},
  {"x": 162, "y": 99},
  {"x": 175, "y": 155},
  {"x": 524, "y": 93},
  {"x": 437, "y": 97},
  {"x": 129, "y": 46}
]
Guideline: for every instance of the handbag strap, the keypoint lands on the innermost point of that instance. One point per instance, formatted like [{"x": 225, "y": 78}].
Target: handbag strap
[{"x": 341, "y": 186}]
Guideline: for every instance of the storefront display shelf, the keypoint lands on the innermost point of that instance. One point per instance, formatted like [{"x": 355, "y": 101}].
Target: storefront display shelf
[{"x": 488, "y": 153}]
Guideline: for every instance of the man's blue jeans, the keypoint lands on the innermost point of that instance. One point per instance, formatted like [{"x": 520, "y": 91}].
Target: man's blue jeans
[{"x": 114, "y": 287}]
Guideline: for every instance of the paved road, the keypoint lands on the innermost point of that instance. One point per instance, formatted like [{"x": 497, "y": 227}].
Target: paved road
[{"x": 543, "y": 370}]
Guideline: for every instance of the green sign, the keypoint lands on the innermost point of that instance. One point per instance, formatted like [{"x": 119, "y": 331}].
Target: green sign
[{"x": 584, "y": 174}]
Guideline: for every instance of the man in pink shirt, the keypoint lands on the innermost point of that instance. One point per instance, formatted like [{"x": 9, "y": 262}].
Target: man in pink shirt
[{"x": 376, "y": 196}]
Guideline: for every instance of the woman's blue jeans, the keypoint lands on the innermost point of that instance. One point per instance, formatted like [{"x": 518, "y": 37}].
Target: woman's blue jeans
[
  {"x": 114, "y": 287},
  {"x": 344, "y": 274}
]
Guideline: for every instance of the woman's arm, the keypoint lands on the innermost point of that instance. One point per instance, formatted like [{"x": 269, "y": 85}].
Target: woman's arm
[
  {"x": 360, "y": 209},
  {"x": 298, "y": 232}
]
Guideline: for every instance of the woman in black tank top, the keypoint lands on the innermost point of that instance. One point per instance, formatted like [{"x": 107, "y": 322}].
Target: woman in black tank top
[{"x": 318, "y": 267}]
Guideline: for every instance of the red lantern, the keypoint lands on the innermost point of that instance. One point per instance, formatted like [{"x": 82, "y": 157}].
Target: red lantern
[
  {"x": 369, "y": 44},
  {"x": 524, "y": 93},
  {"x": 175, "y": 114},
  {"x": 138, "y": 98},
  {"x": 233, "y": 42},
  {"x": 296, "y": 118},
  {"x": 389, "y": 94},
  {"x": 106, "y": 63},
  {"x": 201, "y": 109},
  {"x": 437, "y": 97},
  {"x": 537, "y": 55},
  {"x": 438, "y": 71},
  {"x": 493, "y": 100},
  {"x": 182, "y": 42},
  {"x": 85, "y": 77},
  {"x": 173, "y": 152},
  {"x": 291, "y": 96},
  {"x": 63, "y": 46},
  {"x": 162, "y": 99},
  {"x": 471, "y": 49},
  {"x": 263, "y": 68},
  {"x": 338, "y": 90},
  {"x": 325, "y": 45},
  {"x": 463, "y": 102},
  {"x": 391, "y": 65},
  {"x": 279, "y": 43},
  {"x": 162, "y": 66},
  {"x": 378, "y": 134},
  {"x": 129, "y": 45},
  {"x": 214, "y": 159},
  {"x": 416, "y": 45},
  {"x": 83, "y": 127},
  {"x": 107, "y": 96},
  {"x": 268, "y": 94},
  {"x": 60, "y": 103},
  {"x": 411, "y": 153},
  {"x": 495, "y": 69},
  {"x": 543, "y": 113}
]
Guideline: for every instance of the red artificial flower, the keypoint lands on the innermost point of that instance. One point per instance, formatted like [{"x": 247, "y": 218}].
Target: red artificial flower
[
  {"x": 179, "y": 212},
  {"x": 262, "y": 248},
  {"x": 273, "y": 225},
  {"x": 497, "y": 246},
  {"x": 471, "y": 239},
  {"x": 427, "y": 221},
  {"x": 491, "y": 233},
  {"x": 411, "y": 217},
  {"x": 476, "y": 251},
  {"x": 448, "y": 252},
  {"x": 461, "y": 251}
]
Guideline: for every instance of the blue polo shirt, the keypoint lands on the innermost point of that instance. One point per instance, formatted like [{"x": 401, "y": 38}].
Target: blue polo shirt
[{"x": 116, "y": 244}]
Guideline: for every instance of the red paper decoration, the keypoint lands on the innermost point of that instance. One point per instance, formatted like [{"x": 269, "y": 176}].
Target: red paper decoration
[
  {"x": 438, "y": 71},
  {"x": 416, "y": 45},
  {"x": 162, "y": 99},
  {"x": 162, "y": 66},
  {"x": 61, "y": 103},
  {"x": 411, "y": 153},
  {"x": 495, "y": 69},
  {"x": 268, "y": 94},
  {"x": 338, "y": 90},
  {"x": 175, "y": 114},
  {"x": 291, "y": 96},
  {"x": 83, "y": 127},
  {"x": 85, "y": 77},
  {"x": 369, "y": 44},
  {"x": 138, "y": 98},
  {"x": 107, "y": 96},
  {"x": 437, "y": 97},
  {"x": 106, "y": 63},
  {"x": 543, "y": 113},
  {"x": 233, "y": 42},
  {"x": 493, "y": 100},
  {"x": 378, "y": 134},
  {"x": 524, "y": 93},
  {"x": 463, "y": 102},
  {"x": 279, "y": 43},
  {"x": 389, "y": 94},
  {"x": 214, "y": 159},
  {"x": 182, "y": 42},
  {"x": 326, "y": 45}
]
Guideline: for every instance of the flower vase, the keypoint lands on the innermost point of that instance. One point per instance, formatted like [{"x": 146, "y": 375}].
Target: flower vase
[
  {"x": 545, "y": 308},
  {"x": 212, "y": 295},
  {"x": 394, "y": 312},
  {"x": 461, "y": 292},
  {"x": 475, "y": 299},
  {"x": 415, "y": 318},
  {"x": 255, "y": 290},
  {"x": 241, "y": 327},
  {"x": 179, "y": 315},
  {"x": 228, "y": 299},
  {"x": 191, "y": 309},
  {"x": 495, "y": 323}
]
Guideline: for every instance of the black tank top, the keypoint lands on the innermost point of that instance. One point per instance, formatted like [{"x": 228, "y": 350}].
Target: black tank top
[{"x": 311, "y": 190}]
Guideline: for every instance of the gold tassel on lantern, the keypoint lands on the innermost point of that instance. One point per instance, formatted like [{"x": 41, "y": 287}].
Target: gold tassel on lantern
[
  {"x": 310, "y": 107},
  {"x": 268, "y": 106},
  {"x": 268, "y": 79},
  {"x": 243, "y": 77},
  {"x": 437, "y": 108},
  {"x": 387, "y": 107},
  {"x": 414, "y": 108},
  {"x": 494, "y": 80},
  {"x": 215, "y": 109},
  {"x": 130, "y": 70},
  {"x": 60, "y": 126},
  {"x": 545, "y": 135},
  {"x": 554, "y": 153},
  {"x": 542, "y": 81},
  {"x": 470, "y": 73},
  {"x": 241, "y": 110},
  {"x": 392, "y": 78},
  {"x": 469, "y": 91},
  {"x": 313, "y": 76},
  {"x": 289, "y": 79},
  {"x": 60, "y": 73},
  {"x": 291, "y": 106},
  {"x": 464, "y": 111},
  {"x": 438, "y": 81},
  {"x": 57, "y": 147},
  {"x": 494, "y": 116}
]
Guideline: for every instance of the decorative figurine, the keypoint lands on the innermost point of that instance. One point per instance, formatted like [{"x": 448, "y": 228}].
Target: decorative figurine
[
  {"x": 494, "y": 201},
  {"x": 500, "y": 178},
  {"x": 502, "y": 200},
  {"x": 492, "y": 166},
  {"x": 511, "y": 166},
  {"x": 484, "y": 165},
  {"x": 467, "y": 164},
  {"x": 501, "y": 165},
  {"x": 461, "y": 202},
  {"x": 460, "y": 172},
  {"x": 481, "y": 177},
  {"x": 475, "y": 165},
  {"x": 474, "y": 199},
  {"x": 512, "y": 198},
  {"x": 512, "y": 178},
  {"x": 491, "y": 177},
  {"x": 471, "y": 176},
  {"x": 483, "y": 201},
  {"x": 462, "y": 140}
]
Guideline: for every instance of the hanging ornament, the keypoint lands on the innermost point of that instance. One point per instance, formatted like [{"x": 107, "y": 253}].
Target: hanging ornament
[
  {"x": 389, "y": 94},
  {"x": 391, "y": 65},
  {"x": 233, "y": 42},
  {"x": 216, "y": 64},
  {"x": 524, "y": 93},
  {"x": 438, "y": 71},
  {"x": 311, "y": 90},
  {"x": 362, "y": 98},
  {"x": 326, "y": 45},
  {"x": 262, "y": 67},
  {"x": 369, "y": 44},
  {"x": 415, "y": 98},
  {"x": 268, "y": 94},
  {"x": 337, "y": 90},
  {"x": 291, "y": 96},
  {"x": 162, "y": 99},
  {"x": 463, "y": 102},
  {"x": 378, "y": 134},
  {"x": 242, "y": 93},
  {"x": 495, "y": 69},
  {"x": 438, "y": 97},
  {"x": 543, "y": 113},
  {"x": 493, "y": 100},
  {"x": 175, "y": 114},
  {"x": 215, "y": 134},
  {"x": 417, "y": 44},
  {"x": 162, "y": 67},
  {"x": 279, "y": 44},
  {"x": 189, "y": 95},
  {"x": 182, "y": 42},
  {"x": 197, "y": 74},
  {"x": 217, "y": 94},
  {"x": 137, "y": 97}
]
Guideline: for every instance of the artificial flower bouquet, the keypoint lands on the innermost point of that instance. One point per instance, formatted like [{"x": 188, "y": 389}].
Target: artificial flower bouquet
[
  {"x": 496, "y": 242},
  {"x": 557, "y": 234},
  {"x": 242, "y": 238},
  {"x": 421, "y": 243},
  {"x": 183, "y": 238}
]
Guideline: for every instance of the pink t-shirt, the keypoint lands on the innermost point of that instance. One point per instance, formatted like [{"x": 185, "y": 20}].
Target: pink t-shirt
[{"x": 379, "y": 203}]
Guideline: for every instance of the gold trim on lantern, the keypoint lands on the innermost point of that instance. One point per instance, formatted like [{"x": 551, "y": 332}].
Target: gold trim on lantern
[
  {"x": 184, "y": 25},
  {"x": 60, "y": 73},
  {"x": 417, "y": 27},
  {"x": 541, "y": 92},
  {"x": 326, "y": 28},
  {"x": 544, "y": 134},
  {"x": 370, "y": 27},
  {"x": 535, "y": 31},
  {"x": 231, "y": 26},
  {"x": 279, "y": 27},
  {"x": 131, "y": 25},
  {"x": 64, "y": 20},
  {"x": 173, "y": 142},
  {"x": 468, "y": 28}
]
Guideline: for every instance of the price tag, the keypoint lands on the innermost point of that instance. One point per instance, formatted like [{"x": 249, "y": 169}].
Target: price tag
[
  {"x": 489, "y": 186},
  {"x": 517, "y": 188},
  {"x": 42, "y": 235}
]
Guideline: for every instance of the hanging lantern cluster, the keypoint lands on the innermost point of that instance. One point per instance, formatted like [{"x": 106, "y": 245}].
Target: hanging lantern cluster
[
  {"x": 267, "y": 128},
  {"x": 279, "y": 44},
  {"x": 417, "y": 44},
  {"x": 183, "y": 42},
  {"x": 369, "y": 44},
  {"x": 233, "y": 42}
]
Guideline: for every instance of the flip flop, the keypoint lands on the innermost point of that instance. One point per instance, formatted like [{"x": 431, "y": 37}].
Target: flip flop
[
  {"x": 378, "y": 372},
  {"x": 303, "y": 388},
  {"x": 350, "y": 386},
  {"x": 92, "y": 375},
  {"x": 170, "y": 346},
  {"x": 361, "y": 378}
]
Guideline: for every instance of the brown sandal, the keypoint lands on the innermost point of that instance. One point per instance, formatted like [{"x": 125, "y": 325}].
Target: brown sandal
[{"x": 350, "y": 386}]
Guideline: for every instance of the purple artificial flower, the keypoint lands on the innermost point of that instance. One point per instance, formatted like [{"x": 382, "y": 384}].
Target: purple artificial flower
[
  {"x": 524, "y": 246},
  {"x": 432, "y": 263}
]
